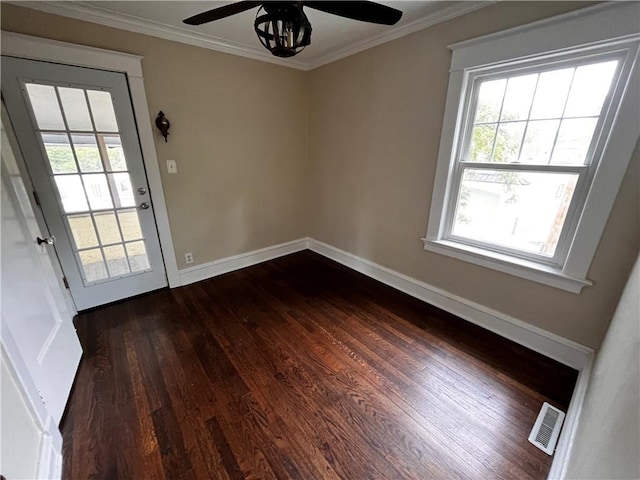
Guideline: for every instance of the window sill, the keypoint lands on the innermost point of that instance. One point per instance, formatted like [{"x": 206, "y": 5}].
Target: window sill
[{"x": 547, "y": 275}]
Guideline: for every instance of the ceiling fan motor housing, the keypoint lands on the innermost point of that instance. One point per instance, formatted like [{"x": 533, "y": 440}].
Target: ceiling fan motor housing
[{"x": 283, "y": 28}]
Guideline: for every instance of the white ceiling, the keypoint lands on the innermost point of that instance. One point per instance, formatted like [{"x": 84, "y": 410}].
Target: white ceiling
[{"x": 332, "y": 38}]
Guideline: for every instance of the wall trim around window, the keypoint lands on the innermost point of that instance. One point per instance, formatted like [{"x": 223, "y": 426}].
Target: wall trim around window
[
  {"x": 582, "y": 30},
  {"x": 554, "y": 277}
]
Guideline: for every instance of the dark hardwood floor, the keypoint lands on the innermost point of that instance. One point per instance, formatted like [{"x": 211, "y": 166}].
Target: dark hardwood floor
[{"x": 301, "y": 368}]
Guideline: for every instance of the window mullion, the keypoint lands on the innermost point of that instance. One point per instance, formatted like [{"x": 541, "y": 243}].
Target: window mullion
[
  {"x": 495, "y": 137},
  {"x": 564, "y": 108},
  {"x": 526, "y": 127},
  {"x": 505, "y": 122},
  {"x": 543, "y": 168}
]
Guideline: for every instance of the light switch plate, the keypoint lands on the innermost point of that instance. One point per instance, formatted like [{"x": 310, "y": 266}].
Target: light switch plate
[{"x": 172, "y": 166}]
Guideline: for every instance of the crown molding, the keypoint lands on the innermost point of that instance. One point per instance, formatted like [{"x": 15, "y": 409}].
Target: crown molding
[
  {"x": 102, "y": 16},
  {"x": 440, "y": 16},
  {"x": 532, "y": 26}
]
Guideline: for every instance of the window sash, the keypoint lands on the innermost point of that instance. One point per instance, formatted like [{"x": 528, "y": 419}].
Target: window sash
[
  {"x": 567, "y": 227},
  {"x": 475, "y": 78}
]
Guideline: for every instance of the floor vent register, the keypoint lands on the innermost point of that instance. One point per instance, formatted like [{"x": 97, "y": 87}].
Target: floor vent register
[{"x": 546, "y": 430}]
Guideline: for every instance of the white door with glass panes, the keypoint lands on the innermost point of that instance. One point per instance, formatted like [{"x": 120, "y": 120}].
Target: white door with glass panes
[{"x": 77, "y": 132}]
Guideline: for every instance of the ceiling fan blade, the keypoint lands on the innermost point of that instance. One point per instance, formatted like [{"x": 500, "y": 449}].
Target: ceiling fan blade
[
  {"x": 221, "y": 12},
  {"x": 364, "y": 11}
]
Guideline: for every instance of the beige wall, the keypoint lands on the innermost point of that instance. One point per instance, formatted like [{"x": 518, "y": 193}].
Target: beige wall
[
  {"x": 362, "y": 183},
  {"x": 239, "y": 183},
  {"x": 608, "y": 438},
  {"x": 375, "y": 124}
]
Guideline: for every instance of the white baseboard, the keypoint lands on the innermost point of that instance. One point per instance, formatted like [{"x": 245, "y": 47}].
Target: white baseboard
[
  {"x": 236, "y": 262},
  {"x": 564, "y": 447},
  {"x": 551, "y": 345}
]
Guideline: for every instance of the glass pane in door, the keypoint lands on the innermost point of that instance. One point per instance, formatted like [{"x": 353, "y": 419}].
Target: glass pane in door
[
  {"x": 44, "y": 104},
  {"x": 88, "y": 166},
  {"x": 115, "y": 154},
  {"x": 93, "y": 265},
  {"x": 121, "y": 189},
  {"x": 87, "y": 152},
  {"x": 102, "y": 108},
  {"x": 59, "y": 153},
  {"x": 108, "y": 227},
  {"x": 116, "y": 260},
  {"x": 76, "y": 111},
  {"x": 130, "y": 224},
  {"x": 83, "y": 231},
  {"x": 138, "y": 258},
  {"x": 97, "y": 191},
  {"x": 71, "y": 193}
]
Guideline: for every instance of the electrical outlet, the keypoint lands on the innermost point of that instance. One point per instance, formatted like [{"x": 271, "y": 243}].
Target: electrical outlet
[
  {"x": 188, "y": 257},
  {"x": 172, "y": 166}
]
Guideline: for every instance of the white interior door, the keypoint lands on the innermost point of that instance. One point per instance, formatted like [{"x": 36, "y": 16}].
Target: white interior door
[
  {"x": 34, "y": 313},
  {"x": 76, "y": 129}
]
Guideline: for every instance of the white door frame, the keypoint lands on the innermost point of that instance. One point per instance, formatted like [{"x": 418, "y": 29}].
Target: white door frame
[{"x": 36, "y": 48}]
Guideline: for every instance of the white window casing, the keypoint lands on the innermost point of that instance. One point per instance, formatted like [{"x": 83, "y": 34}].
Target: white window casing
[{"x": 603, "y": 32}]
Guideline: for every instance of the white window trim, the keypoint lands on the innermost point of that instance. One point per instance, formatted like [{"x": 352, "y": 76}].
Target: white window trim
[{"x": 586, "y": 29}]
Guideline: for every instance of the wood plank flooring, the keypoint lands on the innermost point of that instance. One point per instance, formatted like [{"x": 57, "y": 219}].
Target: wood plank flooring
[{"x": 300, "y": 368}]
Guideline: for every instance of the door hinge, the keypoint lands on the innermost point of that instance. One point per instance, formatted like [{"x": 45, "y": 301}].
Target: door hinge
[
  {"x": 66, "y": 283},
  {"x": 36, "y": 198}
]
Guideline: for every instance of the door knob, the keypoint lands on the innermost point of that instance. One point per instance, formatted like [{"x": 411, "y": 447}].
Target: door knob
[
  {"x": 46, "y": 240},
  {"x": 144, "y": 205}
]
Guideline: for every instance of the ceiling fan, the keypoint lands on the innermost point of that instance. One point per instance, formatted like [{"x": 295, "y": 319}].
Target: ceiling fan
[{"x": 284, "y": 29}]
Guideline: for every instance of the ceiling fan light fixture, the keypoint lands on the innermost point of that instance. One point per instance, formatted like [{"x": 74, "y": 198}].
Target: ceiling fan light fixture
[{"x": 283, "y": 28}]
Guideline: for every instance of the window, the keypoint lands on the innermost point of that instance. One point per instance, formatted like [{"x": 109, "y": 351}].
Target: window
[{"x": 526, "y": 143}]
